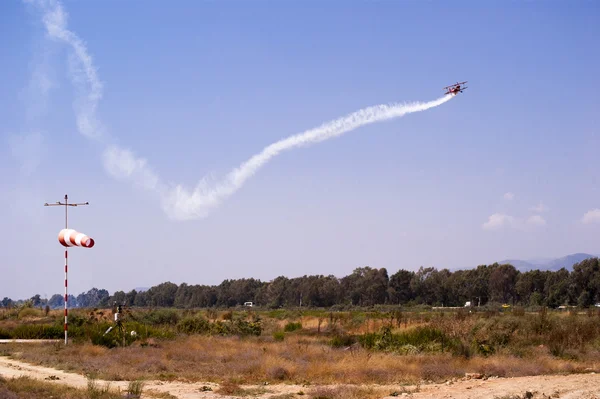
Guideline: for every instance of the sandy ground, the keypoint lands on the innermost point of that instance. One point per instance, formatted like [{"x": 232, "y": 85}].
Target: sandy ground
[{"x": 584, "y": 386}]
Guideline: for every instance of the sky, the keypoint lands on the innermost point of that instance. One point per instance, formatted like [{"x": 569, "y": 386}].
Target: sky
[{"x": 146, "y": 111}]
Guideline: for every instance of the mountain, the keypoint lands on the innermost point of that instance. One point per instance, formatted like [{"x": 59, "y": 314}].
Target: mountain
[{"x": 548, "y": 263}]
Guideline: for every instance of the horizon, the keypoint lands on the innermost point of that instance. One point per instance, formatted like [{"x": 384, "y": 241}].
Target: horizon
[
  {"x": 150, "y": 113},
  {"x": 389, "y": 272}
]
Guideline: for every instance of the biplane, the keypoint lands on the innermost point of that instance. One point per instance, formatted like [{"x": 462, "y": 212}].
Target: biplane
[{"x": 455, "y": 88}]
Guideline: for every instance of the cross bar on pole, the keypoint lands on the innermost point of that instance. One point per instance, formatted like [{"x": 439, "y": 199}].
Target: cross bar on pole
[{"x": 66, "y": 205}]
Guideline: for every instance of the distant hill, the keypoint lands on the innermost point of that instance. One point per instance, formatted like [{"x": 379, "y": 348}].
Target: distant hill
[{"x": 547, "y": 263}]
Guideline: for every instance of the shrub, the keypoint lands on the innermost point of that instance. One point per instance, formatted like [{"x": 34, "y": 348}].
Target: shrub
[
  {"x": 342, "y": 340},
  {"x": 160, "y": 317},
  {"x": 243, "y": 327},
  {"x": 134, "y": 389},
  {"x": 289, "y": 327},
  {"x": 493, "y": 333},
  {"x": 424, "y": 338},
  {"x": 29, "y": 312},
  {"x": 221, "y": 328},
  {"x": 279, "y": 335},
  {"x": 37, "y": 331},
  {"x": 228, "y": 315},
  {"x": 278, "y": 373},
  {"x": 193, "y": 325}
]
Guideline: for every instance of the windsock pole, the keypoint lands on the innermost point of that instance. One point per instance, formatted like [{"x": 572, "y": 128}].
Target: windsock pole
[
  {"x": 66, "y": 205},
  {"x": 66, "y": 295}
]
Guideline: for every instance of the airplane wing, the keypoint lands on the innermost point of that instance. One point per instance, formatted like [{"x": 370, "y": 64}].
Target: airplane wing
[{"x": 455, "y": 84}]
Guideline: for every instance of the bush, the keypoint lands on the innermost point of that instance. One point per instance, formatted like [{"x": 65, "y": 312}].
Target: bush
[
  {"x": 244, "y": 327},
  {"x": 491, "y": 334},
  {"x": 109, "y": 340},
  {"x": 342, "y": 340},
  {"x": 199, "y": 325},
  {"x": 279, "y": 335},
  {"x": 134, "y": 389},
  {"x": 160, "y": 317},
  {"x": 37, "y": 331},
  {"x": 29, "y": 312},
  {"x": 193, "y": 325},
  {"x": 425, "y": 338},
  {"x": 289, "y": 327}
]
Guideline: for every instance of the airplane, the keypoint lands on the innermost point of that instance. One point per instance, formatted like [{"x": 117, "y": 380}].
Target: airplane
[{"x": 455, "y": 88}]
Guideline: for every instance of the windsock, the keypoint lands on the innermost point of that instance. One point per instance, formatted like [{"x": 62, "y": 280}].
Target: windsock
[{"x": 70, "y": 238}]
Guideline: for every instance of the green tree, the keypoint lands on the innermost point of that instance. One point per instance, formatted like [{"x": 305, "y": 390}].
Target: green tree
[
  {"x": 502, "y": 283},
  {"x": 399, "y": 290}
]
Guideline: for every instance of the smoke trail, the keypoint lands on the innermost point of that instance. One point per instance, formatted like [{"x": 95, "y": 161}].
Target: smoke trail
[
  {"x": 178, "y": 202},
  {"x": 82, "y": 68},
  {"x": 181, "y": 204},
  {"x": 118, "y": 162}
]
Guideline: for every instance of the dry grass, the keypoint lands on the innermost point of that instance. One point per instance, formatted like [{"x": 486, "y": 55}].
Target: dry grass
[
  {"x": 231, "y": 388},
  {"x": 347, "y": 392},
  {"x": 28, "y": 388},
  {"x": 298, "y": 359},
  {"x": 493, "y": 344}
]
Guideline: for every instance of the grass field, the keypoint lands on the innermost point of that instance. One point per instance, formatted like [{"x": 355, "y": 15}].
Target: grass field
[
  {"x": 28, "y": 388},
  {"x": 310, "y": 347}
]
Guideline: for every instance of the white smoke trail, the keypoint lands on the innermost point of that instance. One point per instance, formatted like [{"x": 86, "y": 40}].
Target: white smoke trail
[
  {"x": 118, "y": 162},
  {"x": 82, "y": 68},
  {"x": 182, "y": 204},
  {"x": 178, "y": 202}
]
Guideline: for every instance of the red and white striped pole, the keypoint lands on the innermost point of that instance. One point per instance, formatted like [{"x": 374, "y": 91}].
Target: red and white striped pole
[
  {"x": 68, "y": 238},
  {"x": 66, "y": 297}
]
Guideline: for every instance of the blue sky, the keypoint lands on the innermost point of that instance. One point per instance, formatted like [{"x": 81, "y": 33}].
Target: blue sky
[{"x": 197, "y": 88}]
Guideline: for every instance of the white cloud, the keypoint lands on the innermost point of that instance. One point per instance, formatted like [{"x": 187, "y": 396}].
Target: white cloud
[
  {"x": 592, "y": 216},
  {"x": 539, "y": 208},
  {"x": 509, "y": 196},
  {"x": 499, "y": 220},
  {"x": 536, "y": 220},
  {"x": 27, "y": 149}
]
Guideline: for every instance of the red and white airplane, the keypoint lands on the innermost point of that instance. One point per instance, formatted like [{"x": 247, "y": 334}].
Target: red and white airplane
[{"x": 455, "y": 88}]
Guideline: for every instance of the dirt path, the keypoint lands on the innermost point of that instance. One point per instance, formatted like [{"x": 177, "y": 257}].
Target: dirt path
[{"x": 581, "y": 386}]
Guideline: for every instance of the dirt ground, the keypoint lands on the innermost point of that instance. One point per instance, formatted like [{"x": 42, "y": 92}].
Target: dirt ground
[{"x": 584, "y": 386}]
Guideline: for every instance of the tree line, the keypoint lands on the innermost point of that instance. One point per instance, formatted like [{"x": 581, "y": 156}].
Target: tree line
[{"x": 367, "y": 286}]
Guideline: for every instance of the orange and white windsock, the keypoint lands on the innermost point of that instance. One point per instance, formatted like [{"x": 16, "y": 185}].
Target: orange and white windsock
[{"x": 72, "y": 238}]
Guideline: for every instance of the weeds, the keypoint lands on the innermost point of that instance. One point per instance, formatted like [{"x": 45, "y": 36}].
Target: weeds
[
  {"x": 378, "y": 346},
  {"x": 346, "y": 392},
  {"x": 279, "y": 336},
  {"x": 25, "y": 387},
  {"x": 134, "y": 389},
  {"x": 232, "y": 388},
  {"x": 94, "y": 391},
  {"x": 289, "y": 327}
]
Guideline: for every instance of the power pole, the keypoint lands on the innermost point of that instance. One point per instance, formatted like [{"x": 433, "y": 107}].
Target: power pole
[{"x": 66, "y": 205}]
